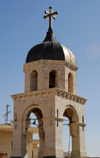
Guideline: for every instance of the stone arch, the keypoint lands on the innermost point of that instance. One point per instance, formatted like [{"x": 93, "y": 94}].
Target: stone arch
[
  {"x": 34, "y": 80},
  {"x": 70, "y": 82},
  {"x": 53, "y": 78},
  {"x": 71, "y": 113},
  {"x": 74, "y": 112},
  {"x": 38, "y": 112},
  {"x": 32, "y": 108}
]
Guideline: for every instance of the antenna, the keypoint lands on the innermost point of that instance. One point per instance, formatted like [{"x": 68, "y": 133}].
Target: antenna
[{"x": 6, "y": 114}]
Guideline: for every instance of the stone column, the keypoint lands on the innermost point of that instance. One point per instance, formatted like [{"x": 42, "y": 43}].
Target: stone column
[
  {"x": 19, "y": 141},
  {"x": 78, "y": 140},
  {"x": 49, "y": 128},
  {"x": 53, "y": 138},
  {"x": 41, "y": 142},
  {"x": 58, "y": 137},
  {"x": 27, "y": 81}
]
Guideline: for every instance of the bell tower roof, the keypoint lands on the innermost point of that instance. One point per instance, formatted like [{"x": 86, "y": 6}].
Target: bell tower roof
[{"x": 50, "y": 48}]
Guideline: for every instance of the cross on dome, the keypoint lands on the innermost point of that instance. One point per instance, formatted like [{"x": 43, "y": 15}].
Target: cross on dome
[{"x": 50, "y": 15}]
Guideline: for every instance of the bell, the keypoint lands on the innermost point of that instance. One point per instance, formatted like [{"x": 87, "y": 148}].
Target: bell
[{"x": 34, "y": 122}]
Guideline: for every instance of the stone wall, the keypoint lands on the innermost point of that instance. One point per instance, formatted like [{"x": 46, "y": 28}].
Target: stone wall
[{"x": 6, "y": 132}]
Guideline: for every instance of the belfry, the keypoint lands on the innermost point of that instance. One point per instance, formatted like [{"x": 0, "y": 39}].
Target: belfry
[{"x": 50, "y": 93}]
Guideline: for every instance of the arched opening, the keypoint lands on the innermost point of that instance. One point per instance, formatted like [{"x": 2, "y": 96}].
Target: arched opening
[
  {"x": 34, "y": 81},
  {"x": 70, "y": 83},
  {"x": 35, "y": 143},
  {"x": 53, "y": 79},
  {"x": 69, "y": 129}
]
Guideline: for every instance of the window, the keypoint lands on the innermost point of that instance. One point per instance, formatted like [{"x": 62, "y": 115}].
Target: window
[
  {"x": 70, "y": 83},
  {"x": 52, "y": 79}
]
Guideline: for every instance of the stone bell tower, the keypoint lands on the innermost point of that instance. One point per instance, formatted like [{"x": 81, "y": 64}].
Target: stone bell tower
[{"x": 50, "y": 93}]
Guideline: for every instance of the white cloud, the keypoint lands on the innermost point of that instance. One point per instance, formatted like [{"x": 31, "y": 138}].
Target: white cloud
[{"x": 93, "y": 51}]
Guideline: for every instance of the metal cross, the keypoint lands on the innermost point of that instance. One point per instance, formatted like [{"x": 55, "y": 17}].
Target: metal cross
[{"x": 50, "y": 15}]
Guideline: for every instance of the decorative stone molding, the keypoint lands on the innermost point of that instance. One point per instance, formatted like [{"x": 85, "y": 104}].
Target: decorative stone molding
[
  {"x": 71, "y": 66},
  {"x": 70, "y": 96},
  {"x": 48, "y": 92}
]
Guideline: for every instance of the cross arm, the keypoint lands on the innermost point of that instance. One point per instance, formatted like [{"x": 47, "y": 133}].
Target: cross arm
[
  {"x": 46, "y": 12},
  {"x": 54, "y": 13},
  {"x": 47, "y": 16}
]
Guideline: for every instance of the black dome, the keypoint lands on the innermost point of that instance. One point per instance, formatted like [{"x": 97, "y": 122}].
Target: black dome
[{"x": 50, "y": 49}]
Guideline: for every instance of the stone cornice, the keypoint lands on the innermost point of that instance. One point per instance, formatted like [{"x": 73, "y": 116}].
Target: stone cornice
[
  {"x": 35, "y": 94},
  {"x": 73, "y": 67},
  {"x": 70, "y": 96},
  {"x": 47, "y": 93}
]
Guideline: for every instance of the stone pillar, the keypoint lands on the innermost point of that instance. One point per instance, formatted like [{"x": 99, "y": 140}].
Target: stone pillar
[
  {"x": 58, "y": 137},
  {"x": 78, "y": 140},
  {"x": 19, "y": 141},
  {"x": 53, "y": 138},
  {"x": 41, "y": 142},
  {"x": 49, "y": 128},
  {"x": 61, "y": 79},
  {"x": 27, "y": 81},
  {"x": 40, "y": 78},
  {"x": 45, "y": 77}
]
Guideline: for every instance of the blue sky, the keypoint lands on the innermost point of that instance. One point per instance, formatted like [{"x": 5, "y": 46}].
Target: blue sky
[{"x": 77, "y": 27}]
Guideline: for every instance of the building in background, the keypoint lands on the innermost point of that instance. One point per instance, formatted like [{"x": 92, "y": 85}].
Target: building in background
[{"x": 6, "y": 131}]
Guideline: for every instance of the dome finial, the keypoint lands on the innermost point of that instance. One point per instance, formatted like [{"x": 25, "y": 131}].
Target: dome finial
[{"x": 50, "y": 15}]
